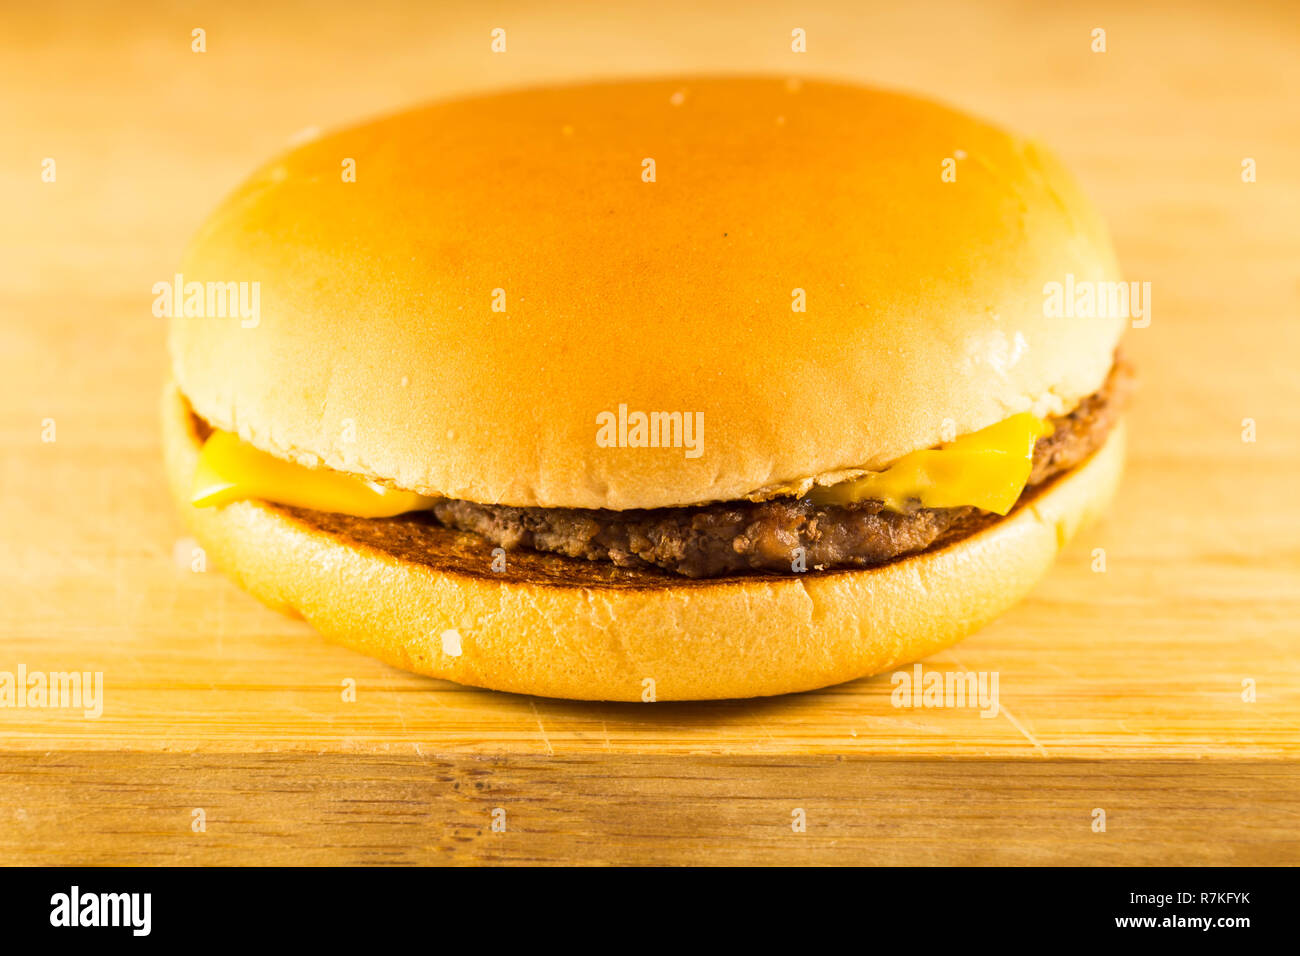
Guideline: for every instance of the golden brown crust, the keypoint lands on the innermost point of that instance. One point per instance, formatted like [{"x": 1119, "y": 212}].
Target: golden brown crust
[
  {"x": 924, "y": 298},
  {"x": 564, "y": 628}
]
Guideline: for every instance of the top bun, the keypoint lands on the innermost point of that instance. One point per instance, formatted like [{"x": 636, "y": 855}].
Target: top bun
[{"x": 378, "y": 350}]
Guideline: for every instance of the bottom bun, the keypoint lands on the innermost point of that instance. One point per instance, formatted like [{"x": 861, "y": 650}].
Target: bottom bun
[{"x": 427, "y": 599}]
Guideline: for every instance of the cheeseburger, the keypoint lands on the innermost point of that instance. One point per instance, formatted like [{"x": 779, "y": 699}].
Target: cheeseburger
[{"x": 670, "y": 389}]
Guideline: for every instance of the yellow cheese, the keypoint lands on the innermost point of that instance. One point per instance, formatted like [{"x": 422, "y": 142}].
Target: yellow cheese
[
  {"x": 231, "y": 470},
  {"x": 987, "y": 469}
]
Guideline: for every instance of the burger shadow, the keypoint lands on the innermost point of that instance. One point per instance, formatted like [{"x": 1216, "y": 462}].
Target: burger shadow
[{"x": 688, "y": 715}]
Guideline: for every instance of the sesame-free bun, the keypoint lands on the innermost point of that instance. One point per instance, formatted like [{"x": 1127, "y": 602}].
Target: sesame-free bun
[
  {"x": 378, "y": 350},
  {"x": 563, "y": 627}
]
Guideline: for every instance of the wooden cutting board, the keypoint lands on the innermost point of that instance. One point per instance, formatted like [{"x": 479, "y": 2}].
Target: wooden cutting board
[{"x": 1122, "y": 690}]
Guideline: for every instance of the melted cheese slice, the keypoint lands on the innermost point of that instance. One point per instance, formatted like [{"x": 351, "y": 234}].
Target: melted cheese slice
[
  {"x": 232, "y": 470},
  {"x": 987, "y": 469}
]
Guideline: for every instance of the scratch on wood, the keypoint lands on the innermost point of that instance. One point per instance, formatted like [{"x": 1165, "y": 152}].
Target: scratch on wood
[
  {"x": 1002, "y": 708},
  {"x": 546, "y": 740}
]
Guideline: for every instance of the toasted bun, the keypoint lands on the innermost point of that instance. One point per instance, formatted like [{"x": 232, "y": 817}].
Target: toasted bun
[
  {"x": 378, "y": 350},
  {"x": 566, "y": 628}
]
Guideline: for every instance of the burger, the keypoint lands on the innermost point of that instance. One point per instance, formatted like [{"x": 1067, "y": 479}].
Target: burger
[{"x": 666, "y": 389}]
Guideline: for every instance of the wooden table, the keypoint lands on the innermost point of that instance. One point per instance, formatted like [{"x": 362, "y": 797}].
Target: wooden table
[{"x": 1120, "y": 690}]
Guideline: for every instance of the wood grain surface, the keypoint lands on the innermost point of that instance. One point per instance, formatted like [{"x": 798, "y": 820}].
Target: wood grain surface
[{"x": 1120, "y": 690}]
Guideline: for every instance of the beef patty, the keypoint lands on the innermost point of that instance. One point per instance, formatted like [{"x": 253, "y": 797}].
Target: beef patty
[{"x": 737, "y": 536}]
